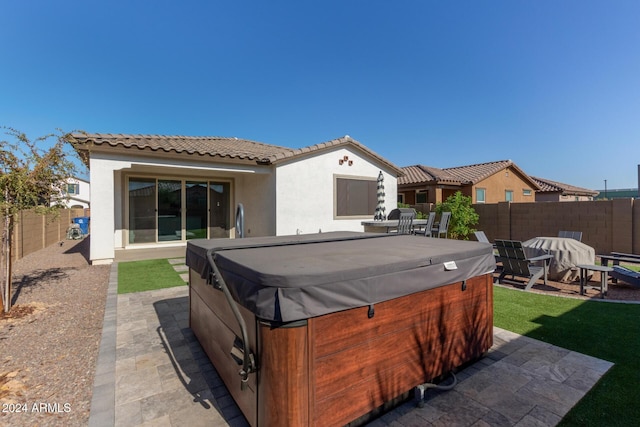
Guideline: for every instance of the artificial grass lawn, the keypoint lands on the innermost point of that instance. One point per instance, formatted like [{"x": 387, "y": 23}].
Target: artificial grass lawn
[
  {"x": 137, "y": 276},
  {"x": 608, "y": 331}
]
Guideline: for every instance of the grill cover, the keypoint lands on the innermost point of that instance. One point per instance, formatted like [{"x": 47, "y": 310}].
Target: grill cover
[{"x": 289, "y": 278}]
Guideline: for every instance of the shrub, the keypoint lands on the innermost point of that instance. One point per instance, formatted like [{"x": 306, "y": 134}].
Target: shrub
[{"x": 463, "y": 216}]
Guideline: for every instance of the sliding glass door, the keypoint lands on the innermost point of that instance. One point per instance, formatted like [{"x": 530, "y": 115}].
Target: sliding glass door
[
  {"x": 169, "y": 210},
  {"x": 142, "y": 210},
  {"x": 196, "y": 226},
  {"x": 219, "y": 210},
  {"x": 163, "y": 210}
]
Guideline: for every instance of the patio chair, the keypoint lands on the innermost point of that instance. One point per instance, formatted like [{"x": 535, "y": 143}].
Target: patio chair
[
  {"x": 427, "y": 228},
  {"x": 481, "y": 237},
  {"x": 626, "y": 275},
  {"x": 405, "y": 223},
  {"x": 443, "y": 225},
  {"x": 577, "y": 235},
  {"x": 515, "y": 262}
]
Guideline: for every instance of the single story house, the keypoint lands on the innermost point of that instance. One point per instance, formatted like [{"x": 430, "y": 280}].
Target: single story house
[
  {"x": 491, "y": 182},
  {"x": 154, "y": 191},
  {"x": 553, "y": 191}
]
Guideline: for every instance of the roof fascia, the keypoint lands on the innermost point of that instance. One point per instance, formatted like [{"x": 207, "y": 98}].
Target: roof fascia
[
  {"x": 133, "y": 153},
  {"x": 315, "y": 150}
]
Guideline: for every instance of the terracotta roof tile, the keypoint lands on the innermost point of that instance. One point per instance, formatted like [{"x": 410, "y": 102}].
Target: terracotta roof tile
[
  {"x": 460, "y": 175},
  {"x": 213, "y": 146},
  {"x": 472, "y": 174},
  {"x": 547, "y": 185},
  {"x": 233, "y": 148},
  {"x": 420, "y": 174}
]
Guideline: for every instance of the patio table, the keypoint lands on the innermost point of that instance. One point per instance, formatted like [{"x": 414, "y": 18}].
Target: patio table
[
  {"x": 388, "y": 225},
  {"x": 567, "y": 255}
]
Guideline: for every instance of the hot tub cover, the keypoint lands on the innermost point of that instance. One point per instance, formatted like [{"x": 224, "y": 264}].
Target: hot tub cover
[{"x": 289, "y": 278}]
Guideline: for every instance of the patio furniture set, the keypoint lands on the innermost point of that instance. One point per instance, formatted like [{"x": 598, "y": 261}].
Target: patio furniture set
[
  {"x": 404, "y": 221},
  {"x": 564, "y": 258}
]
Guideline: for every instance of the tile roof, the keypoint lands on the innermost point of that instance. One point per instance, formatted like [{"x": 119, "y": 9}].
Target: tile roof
[
  {"x": 460, "y": 175},
  {"x": 547, "y": 185},
  {"x": 213, "y": 145},
  {"x": 472, "y": 174},
  {"x": 420, "y": 174},
  {"x": 224, "y": 147}
]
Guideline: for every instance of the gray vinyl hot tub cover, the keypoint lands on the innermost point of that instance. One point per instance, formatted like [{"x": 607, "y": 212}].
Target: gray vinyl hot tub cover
[{"x": 289, "y": 278}]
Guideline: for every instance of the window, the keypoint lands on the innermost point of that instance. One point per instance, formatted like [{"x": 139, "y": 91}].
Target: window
[
  {"x": 355, "y": 197},
  {"x": 526, "y": 192},
  {"x": 400, "y": 197},
  {"x": 480, "y": 195},
  {"x": 73, "y": 188},
  {"x": 421, "y": 196},
  {"x": 508, "y": 195}
]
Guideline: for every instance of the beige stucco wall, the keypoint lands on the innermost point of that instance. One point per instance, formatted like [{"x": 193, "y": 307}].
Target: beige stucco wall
[
  {"x": 507, "y": 179},
  {"x": 292, "y": 197},
  {"x": 109, "y": 174},
  {"x": 305, "y": 191},
  {"x": 256, "y": 193}
]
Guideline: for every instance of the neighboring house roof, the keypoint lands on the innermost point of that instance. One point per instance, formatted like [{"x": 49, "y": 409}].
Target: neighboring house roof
[
  {"x": 419, "y": 174},
  {"x": 620, "y": 193},
  {"x": 460, "y": 175},
  {"x": 224, "y": 147},
  {"x": 548, "y": 186}
]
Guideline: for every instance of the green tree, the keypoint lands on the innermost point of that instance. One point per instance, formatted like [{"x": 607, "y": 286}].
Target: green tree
[
  {"x": 33, "y": 175},
  {"x": 463, "y": 216}
]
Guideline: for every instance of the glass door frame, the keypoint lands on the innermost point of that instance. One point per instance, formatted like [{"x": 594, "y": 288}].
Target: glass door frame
[{"x": 126, "y": 232}]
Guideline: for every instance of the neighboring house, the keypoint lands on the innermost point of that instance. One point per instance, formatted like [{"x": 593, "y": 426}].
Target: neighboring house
[
  {"x": 77, "y": 193},
  {"x": 485, "y": 183},
  {"x": 153, "y": 191},
  {"x": 552, "y": 191}
]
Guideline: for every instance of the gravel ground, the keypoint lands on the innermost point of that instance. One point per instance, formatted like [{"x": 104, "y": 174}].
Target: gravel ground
[{"x": 49, "y": 341}]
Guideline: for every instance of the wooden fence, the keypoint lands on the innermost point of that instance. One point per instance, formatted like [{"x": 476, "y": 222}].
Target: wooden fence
[{"x": 606, "y": 225}]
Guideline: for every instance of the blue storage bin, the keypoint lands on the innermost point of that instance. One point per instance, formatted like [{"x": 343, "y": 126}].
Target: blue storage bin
[{"x": 83, "y": 222}]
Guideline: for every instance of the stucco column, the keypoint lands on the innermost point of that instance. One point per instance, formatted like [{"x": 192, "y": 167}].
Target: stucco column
[{"x": 102, "y": 212}]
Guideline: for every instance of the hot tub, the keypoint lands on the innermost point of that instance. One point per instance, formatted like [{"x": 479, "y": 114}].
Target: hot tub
[{"x": 319, "y": 330}]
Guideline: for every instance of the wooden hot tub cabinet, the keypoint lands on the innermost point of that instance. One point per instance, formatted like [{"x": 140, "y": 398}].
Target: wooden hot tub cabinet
[{"x": 331, "y": 369}]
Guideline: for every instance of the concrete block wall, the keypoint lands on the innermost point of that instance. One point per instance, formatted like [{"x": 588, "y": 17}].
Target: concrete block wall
[
  {"x": 35, "y": 231},
  {"x": 606, "y": 225}
]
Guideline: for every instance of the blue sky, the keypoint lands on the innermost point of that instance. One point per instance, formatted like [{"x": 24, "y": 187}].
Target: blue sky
[{"x": 552, "y": 85}]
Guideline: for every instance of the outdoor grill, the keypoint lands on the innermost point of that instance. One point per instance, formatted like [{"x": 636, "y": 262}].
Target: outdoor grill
[{"x": 322, "y": 329}]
